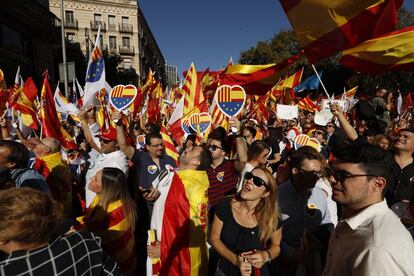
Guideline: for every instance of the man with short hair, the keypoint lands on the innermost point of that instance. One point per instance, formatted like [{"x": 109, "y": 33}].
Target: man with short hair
[
  {"x": 180, "y": 216},
  {"x": 50, "y": 165},
  {"x": 14, "y": 156},
  {"x": 369, "y": 239},
  {"x": 304, "y": 210}
]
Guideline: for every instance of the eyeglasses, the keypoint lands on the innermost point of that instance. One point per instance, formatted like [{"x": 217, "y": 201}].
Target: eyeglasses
[
  {"x": 341, "y": 175},
  {"x": 214, "y": 147},
  {"x": 257, "y": 181},
  {"x": 318, "y": 174},
  {"x": 43, "y": 144},
  {"x": 157, "y": 146}
]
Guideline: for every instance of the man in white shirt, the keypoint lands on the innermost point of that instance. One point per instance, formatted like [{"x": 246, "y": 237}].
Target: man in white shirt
[{"x": 369, "y": 239}]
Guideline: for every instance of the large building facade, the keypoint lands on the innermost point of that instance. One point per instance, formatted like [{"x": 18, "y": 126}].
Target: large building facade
[{"x": 121, "y": 32}]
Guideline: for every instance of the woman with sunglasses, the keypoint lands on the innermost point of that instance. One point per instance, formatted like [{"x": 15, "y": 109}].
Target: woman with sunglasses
[{"x": 245, "y": 228}]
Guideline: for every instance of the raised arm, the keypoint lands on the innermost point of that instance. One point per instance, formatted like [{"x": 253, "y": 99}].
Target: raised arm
[
  {"x": 87, "y": 131},
  {"x": 350, "y": 132},
  {"x": 120, "y": 136}
]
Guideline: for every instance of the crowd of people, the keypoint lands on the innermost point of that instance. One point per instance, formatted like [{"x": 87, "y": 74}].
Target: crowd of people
[{"x": 243, "y": 201}]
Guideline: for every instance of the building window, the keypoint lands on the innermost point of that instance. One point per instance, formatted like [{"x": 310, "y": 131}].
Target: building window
[
  {"x": 97, "y": 17},
  {"x": 69, "y": 17},
  {"x": 71, "y": 37},
  {"x": 125, "y": 20},
  {"x": 112, "y": 43},
  {"x": 111, "y": 22},
  {"x": 126, "y": 42}
]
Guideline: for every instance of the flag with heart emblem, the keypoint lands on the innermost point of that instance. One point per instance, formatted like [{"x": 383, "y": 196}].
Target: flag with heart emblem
[
  {"x": 304, "y": 140},
  {"x": 230, "y": 99},
  {"x": 122, "y": 96},
  {"x": 185, "y": 125},
  {"x": 200, "y": 122}
]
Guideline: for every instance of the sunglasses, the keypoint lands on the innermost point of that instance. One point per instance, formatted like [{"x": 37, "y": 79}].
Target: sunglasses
[
  {"x": 320, "y": 132},
  {"x": 341, "y": 175},
  {"x": 214, "y": 147},
  {"x": 311, "y": 173},
  {"x": 257, "y": 181},
  {"x": 104, "y": 141}
]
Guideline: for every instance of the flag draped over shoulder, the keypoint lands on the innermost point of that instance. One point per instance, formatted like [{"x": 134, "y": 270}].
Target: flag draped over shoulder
[
  {"x": 117, "y": 238},
  {"x": 255, "y": 79},
  {"x": 95, "y": 74},
  {"x": 183, "y": 238},
  {"x": 47, "y": 113},
  {"x": 392, "y": 51},
  {"x": 325, "y": 26}
]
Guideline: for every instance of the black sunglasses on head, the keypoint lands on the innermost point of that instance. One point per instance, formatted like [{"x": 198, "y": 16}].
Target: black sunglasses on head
[{"x": 257, "y": 181}]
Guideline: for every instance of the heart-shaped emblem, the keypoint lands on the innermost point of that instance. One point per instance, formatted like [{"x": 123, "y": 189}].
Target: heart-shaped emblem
[
  {"x": 230, "y": 99},
  {"x": 185, "y": 125},
  {"x": 122, "y": 96},
  {"x": 304, "y": 140},
  {"x": 141, "y": 141},
  {"x": 200, "y": 122}
]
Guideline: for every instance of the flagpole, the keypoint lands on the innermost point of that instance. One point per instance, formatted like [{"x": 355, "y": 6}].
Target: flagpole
[
  {"x": 319, "y": 78},
  {"x": 62, "y": 29}
]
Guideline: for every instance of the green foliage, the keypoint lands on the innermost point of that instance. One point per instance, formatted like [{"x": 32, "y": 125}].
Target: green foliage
[{"x": 335, "y": 77}]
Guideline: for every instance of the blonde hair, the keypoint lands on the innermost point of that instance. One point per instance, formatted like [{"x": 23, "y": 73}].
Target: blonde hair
[{"x": 28, "y": 216}]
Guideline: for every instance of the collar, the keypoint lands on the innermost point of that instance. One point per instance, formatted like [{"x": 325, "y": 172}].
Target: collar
[{"x": 366, "y": 214}]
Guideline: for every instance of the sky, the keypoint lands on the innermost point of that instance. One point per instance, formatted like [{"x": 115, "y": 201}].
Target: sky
[{"x": 209, "y": 32}]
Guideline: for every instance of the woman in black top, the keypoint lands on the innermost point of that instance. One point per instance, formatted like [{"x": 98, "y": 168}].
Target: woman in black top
[{"x": 245, "y": 228}]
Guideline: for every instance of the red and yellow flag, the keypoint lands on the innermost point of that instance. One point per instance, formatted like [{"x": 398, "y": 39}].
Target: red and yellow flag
[
  {"x": 393, "y": 51},
  {"x": 184, "y": 225},
  {"x": 169, "y": 145},
  {"x": 192, "y": 90},
  {"x": 307, "y": 104},
  {"x": 255, "y": 79},
  {"x": 47, "y": 112},
  {"x": 325, "y": 26}
]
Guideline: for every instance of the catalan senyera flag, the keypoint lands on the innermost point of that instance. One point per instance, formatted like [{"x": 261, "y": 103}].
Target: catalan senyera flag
[
  {"x": 117, "y": 237},
  {"x": 307, "y": 104},
  {"x": 325, "y": 26},
  {"x": 193, "y": 95},
  {"x": 350, "y": 94},
  {"x": 392, "y": 51},
  {"x": 169, "y": 145},
  {"x": 217, "y": 117},
  {"x": 47, "y": 112},
  {"x": 255, "y": 79},
  {"x": 184, "y": 225}
]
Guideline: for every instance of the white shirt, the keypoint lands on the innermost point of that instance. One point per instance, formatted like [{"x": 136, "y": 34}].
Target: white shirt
[
  {"x": 116, "y": 159},
  {"x": 324, "y": 185},
  {"x": 373, "y": 242}
]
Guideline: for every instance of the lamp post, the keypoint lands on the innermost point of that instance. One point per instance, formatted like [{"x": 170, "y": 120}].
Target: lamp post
[{"x": 62, "y": 29}]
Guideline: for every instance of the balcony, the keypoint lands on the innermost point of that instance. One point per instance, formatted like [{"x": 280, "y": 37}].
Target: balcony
[
  {"x": 125, "y": 28},
  {"x": 125, "y": 50},
  {"x": 95, "y": 25},
  {"x": 71, "y": 24}
]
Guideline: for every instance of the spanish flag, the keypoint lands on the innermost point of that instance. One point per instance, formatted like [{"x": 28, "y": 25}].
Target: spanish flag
[
  {"x": 24, "y": 100},
  {"x": 117, "y": 238},
  {"x": 393, "y": 51},
  {"x": 326, "y": 26},
  {"x": 255, "y": 79},
  {"x": 184, "y": 225}
]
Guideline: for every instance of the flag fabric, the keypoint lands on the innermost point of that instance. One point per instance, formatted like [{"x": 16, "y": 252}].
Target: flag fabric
[
  {"x": 117, "y": 237},
  {"x": 311, "y": 83},
  {"x": 392, "y": 51},
  {"x": 184, "y": 225},
  {"x": 3, "y": 85},
  {"x": 325, "y": 27},
  {"x": 193, "y": 95},
  {"x": 95, "y": 73},
  {"x": 24, "y": 100},
  {"x": 307, "y": 104},
  {"x": 169, "y": 145},
  {"x": 47, "y": 113},
  {"x": 293, "y": 80},
  {"x": 255, "y": 79},
  {"x": 79, "y": 101},
  {"x": 217, "y": 117},
  {"x": 62, "y": 104},
  {"x": 348, "y": 95}
]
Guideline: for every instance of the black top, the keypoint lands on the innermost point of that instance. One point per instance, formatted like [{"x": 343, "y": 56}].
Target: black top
[
  {"x": 402, "y": 188},
  {"x": 236, "y": 238},
  {"x": 79, "y": 253}
]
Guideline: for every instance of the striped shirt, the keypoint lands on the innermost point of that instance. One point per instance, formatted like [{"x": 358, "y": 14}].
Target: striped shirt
[{"x": 222, "y": 180}]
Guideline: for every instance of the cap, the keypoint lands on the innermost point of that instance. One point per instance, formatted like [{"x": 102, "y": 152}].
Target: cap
[{"x": 109, "y": 135}]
